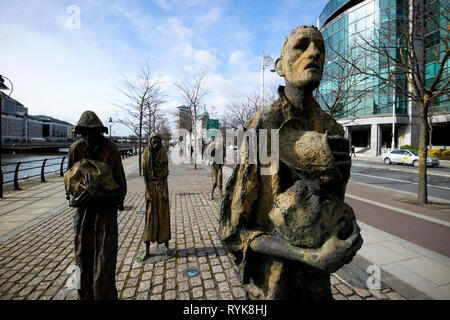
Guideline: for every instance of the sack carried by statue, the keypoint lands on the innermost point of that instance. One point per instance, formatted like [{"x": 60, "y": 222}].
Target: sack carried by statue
[{"x": 85, "y": 174}]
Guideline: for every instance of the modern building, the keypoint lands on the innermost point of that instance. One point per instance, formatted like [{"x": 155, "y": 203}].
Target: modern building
[
  {"x": 368, "y": 120},
  {"x": 184, "y": 118},
  {"x": 19, "y": 126}
]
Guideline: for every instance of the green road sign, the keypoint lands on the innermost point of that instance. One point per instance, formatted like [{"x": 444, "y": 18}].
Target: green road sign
[{"x": 211, "y": 124}]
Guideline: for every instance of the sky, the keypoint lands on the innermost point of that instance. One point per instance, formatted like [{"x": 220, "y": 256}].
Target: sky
[{"x": 65, "y": 57}]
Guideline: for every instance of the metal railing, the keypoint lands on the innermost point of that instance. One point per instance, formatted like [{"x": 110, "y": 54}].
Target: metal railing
[{"x": 43, "y": 165}]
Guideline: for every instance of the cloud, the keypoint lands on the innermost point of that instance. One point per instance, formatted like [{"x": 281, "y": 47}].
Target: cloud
[
  {"x": 236, "y": 57},
  {"x": 164, "y": 5},
  {"x": 211, "y": 17},
  {"x": 205, "y": 60},
  {"x": 176, "y": 26}
]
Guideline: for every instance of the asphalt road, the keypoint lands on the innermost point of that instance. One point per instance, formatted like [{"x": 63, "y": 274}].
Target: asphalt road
[
  {"x": 438, "y": 186},
  {"x": 356, "y": 161}
]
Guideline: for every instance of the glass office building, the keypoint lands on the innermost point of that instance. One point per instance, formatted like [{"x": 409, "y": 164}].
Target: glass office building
[{"x": 367, "y": 113}]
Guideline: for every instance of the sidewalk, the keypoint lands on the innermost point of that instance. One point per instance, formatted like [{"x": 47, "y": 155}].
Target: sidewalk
[
  {"x": 410, "y": 269},
  {"x": 37, "y": 249}
]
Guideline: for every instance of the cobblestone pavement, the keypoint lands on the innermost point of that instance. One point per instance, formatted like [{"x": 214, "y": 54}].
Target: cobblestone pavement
[{"x": 35, "y": 263}]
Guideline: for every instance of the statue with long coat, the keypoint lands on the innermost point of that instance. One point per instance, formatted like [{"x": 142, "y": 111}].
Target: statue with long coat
[
  {"x": 157, "y": 213},
  {"x": 96, "y": 186}
]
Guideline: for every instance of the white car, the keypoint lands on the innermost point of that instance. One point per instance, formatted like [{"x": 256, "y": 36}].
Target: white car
[{"x": 407, "y": 156}]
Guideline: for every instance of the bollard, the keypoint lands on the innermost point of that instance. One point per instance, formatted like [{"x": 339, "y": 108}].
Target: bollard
[
  {"x": 43, "y": 171},
  {"x": 61, "y": 169},
  {"x": 16, "y": 177}
]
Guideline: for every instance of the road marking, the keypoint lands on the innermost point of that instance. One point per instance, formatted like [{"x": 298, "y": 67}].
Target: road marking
[
  {"x": 368, "y": 175},
  {"x": 417, "y": 215}
]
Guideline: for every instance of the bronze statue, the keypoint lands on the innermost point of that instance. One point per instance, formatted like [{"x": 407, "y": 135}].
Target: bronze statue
[
  {"x": 96, "y": 186},
  {"x": 217, "y": 162},
  {"x": 290, "y": 229},
  {"x": 157, "y": 214}
]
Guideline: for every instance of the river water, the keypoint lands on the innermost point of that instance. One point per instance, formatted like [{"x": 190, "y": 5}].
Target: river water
[{"x": 31, "y": 164}]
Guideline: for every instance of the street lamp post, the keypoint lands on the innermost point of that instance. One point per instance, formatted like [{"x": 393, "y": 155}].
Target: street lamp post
[
  {"x": 110, "y": 125},
  {"x": 266, "y": 61},
  {"x": 2, "y": 87}
]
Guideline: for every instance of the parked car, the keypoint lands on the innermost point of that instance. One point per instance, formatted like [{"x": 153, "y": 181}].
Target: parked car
[
  {"x": 407, "y": 156},
  {"x": 38, "y": 140}
]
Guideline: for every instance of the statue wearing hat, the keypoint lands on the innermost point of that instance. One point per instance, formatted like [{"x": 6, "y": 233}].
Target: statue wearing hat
[
  {"x": 96, "y": 185},
  {"x": 157, "y": 213},
  {"x": 289, "y": 229}
]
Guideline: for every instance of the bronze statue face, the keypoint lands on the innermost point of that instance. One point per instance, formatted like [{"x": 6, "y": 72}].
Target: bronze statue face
[
  {"x": 155, "y": 142},
  {"x": 302, "y": 58},
  {"x": 91, "y": 135}
]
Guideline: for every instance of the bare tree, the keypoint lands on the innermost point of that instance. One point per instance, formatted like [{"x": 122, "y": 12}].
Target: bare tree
[
  {"x": 137, "y": 91},
  {"x": 153, "y": 107},
  {"x": 240, "y": 111},
  {"x": 192, "y": 92},
  {"x": 343, "y": 87},
  {"x": 409, "y": 37}
]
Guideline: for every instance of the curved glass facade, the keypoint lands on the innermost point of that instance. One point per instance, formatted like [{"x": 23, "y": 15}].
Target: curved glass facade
[
  {"x": 355, "y": 22},
  {"x": 363, "y": 103},
  {"x": 330, "y": 8}
]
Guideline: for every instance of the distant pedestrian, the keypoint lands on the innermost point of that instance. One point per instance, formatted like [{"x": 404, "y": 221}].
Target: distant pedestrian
[{"x": 353, "y": 151}]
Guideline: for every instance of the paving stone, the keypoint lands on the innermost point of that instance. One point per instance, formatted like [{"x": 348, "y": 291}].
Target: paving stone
[
  {"x": 156, "y": 297},
  {"x": 129, "y": 292},
  {"x": 157, "y": 289},
  {"x": 334, "y": 280},
  {"x": 223, "y": 286},
  {"x": 235, "y": 281},
  {"x": 354, "y": 297},
  {"x": 197, "y": 292},
  {"x": 120, "y": 285},
  {"x": 378, "y": 294},
  {"x": 142, "y": 296},
  {"x": 395, "y": 296},
  {"x": 220, "y": 277},
  {"x": 170, "y": 295},
  {"x": 72, "y": 295},
  {"x": 122, "y": 276},
  {"x": 226, "y": 295},
  {"x": 131, "y": 282},
  {"x": 339, "y": 297},
  {"x": 171, "y": 283},
  {"x": 144, "y": 286},
  {"x": 346, "y": 291},
  {"x": 157, "y": 280},
  {"x": 26, "y": 291},
  {"x": 238, "y": 292},
  {"x": 362, "y": 293},
  {"x": 195, "y": 281},
  {"x": 146, "y": 275}
]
